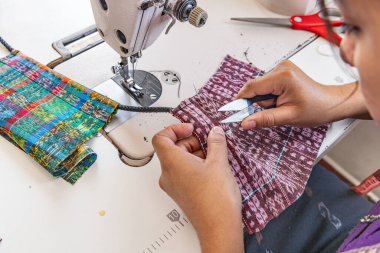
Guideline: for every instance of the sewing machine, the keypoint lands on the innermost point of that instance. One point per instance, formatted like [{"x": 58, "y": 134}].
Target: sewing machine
[
  {"x": 41, "y": 212},
  {"x": 131, "y": 26}
]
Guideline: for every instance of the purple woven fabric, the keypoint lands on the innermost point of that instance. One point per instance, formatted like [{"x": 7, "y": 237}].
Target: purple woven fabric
[{"x": 270, "y": 165}]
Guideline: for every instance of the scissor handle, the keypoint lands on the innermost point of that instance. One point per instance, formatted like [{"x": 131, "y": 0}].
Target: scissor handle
[
  {"x": 324, "y": 33},
  {"x": 317, "y": 19},
  {"x": 315, "y": 24},
  {"x": 260, "y": 98}
]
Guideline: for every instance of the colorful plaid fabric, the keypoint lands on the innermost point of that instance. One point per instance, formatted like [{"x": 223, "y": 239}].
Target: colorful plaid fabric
[{"x": 49, "y": 116}]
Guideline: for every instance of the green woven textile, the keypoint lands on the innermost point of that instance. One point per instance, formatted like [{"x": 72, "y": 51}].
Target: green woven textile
[{"x": 49, "y": 116}]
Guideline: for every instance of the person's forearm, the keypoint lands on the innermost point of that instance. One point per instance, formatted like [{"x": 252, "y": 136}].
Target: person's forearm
[
  {"x": 226, "y": 238},
  {"x": 348, "y": 102},
  {"x": 220, "y": 232}
]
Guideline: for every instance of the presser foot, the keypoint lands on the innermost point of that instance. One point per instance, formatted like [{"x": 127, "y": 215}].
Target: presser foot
[{"x": 144, "y": 87}]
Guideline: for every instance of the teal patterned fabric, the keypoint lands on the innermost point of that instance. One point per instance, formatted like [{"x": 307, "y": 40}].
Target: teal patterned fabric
[{"x": 49, "y": 116}]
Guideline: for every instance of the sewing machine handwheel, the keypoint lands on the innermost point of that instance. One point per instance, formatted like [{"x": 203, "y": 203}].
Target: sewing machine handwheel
[{"x": 198, "y": 17}]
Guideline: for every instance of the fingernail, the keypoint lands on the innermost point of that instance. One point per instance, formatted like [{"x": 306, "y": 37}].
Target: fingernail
[
  {"x": 218, "y": 130},
  {"x": 249, "y": 125}
]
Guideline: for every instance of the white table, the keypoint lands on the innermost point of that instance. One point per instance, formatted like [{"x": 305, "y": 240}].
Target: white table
[{"x": 42, "y": 214}]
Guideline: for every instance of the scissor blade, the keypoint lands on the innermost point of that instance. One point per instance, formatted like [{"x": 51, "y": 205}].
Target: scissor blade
[
  {"x": 270, "y": 21},
  {"x": 236, "y": 105},
  {"x": 239, "y": 116},
  {"x": 242, "y": 103}
]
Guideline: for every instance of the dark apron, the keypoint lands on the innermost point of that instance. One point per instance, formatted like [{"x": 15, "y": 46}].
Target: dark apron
[{"x": 318, "y": 222}]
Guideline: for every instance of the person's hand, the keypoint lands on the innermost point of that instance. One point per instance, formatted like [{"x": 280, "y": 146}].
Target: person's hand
[
  {"x": 204, "y": 188},
  {"x": 302, "y": 101}
]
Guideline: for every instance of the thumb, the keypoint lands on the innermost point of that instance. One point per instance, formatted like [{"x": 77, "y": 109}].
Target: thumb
[
  {"x": 271, "y": 117},
  {"x": 216, "y": 144}
]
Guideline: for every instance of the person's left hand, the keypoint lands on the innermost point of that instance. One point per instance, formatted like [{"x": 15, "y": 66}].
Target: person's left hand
[{"x": 204, "y": 188}]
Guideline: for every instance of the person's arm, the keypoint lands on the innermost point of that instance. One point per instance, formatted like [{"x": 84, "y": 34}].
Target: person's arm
[
  {"x": 349, "y": 102},
  {"x": 204, "y": 188},
  {"x": 302, "y": 101}
]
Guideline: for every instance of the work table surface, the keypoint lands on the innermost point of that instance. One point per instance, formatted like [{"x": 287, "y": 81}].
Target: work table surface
[{"x": 114, "y": 207}]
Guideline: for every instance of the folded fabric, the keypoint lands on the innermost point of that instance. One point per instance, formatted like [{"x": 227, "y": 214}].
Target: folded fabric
[
  {"x": 271, "y": 165},
  {"x": 49, "y": 116}
]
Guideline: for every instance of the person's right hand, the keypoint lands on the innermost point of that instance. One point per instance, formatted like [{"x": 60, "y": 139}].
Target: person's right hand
[{"x": 301, "y": 102}]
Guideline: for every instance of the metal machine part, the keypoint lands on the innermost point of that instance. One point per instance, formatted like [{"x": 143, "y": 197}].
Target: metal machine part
[
  {"x": 170, "y": 77},
  {"x": 198, "y": 17},
  {"x": 75, "y": 44},
  {"x": 145, "y": 89},
  {"x": 142, "y": 86},
  {"x": 130, "y": 26},
  {"x": 187, "y": 10}
]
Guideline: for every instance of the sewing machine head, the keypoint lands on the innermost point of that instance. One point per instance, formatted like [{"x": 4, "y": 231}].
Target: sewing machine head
[{"x": 130, "y": 26}]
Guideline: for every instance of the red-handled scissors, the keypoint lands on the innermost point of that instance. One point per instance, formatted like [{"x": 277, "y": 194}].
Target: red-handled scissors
[{"x": 313, "y": 23}]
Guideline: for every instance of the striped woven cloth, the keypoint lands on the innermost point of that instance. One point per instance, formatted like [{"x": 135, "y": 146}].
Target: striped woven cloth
[{"x": 49, "y": 116}]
